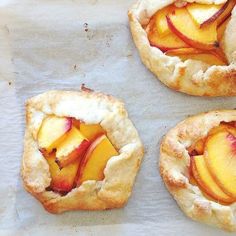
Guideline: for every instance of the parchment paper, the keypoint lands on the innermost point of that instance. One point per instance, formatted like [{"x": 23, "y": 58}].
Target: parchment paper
[{"x": 59, "y": 44}]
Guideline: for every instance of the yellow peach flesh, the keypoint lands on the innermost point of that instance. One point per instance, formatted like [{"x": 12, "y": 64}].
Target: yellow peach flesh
[
  {"x": 159, "y": 20},
  {"x": 204, "y": 13},
  {"x": 202, "y": 38},
  {"x": 196, "y": 54},
  {"x": 220, "y": 157},
  {"x": 73, "y": 147},
  {"x": 206, "y": 181},
  {"x": 62, "y": 179},
  {"x": 91, "y": 131},
  {"x": 95, "y": 160},
  {"x": 52, "y": 132}
]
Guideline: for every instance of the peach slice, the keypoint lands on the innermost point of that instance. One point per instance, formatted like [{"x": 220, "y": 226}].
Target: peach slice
[
  {"x": 91, "y": 131},
  {"x": 221, "y": 28},
  {"x": 227, "y": 12},
  {"x": 95, "y": 160},
  {"x": 168, "y": 42},
  {"x": 52, "y": 132},
  {"x": 204, "y": 14},
  {"x": 198, "y": 147},
  {"x": 71, "y": 148},
  {"x": 158, "y": 21},
  {"x": 62, "y": 179},
  {"x": 209, "y": 57},
  {"x": 220, "y": 157},
  {"x": 183, "y": 51},
  {"x": 181, "y": 24},
  {"x": 206, "y": 181}
]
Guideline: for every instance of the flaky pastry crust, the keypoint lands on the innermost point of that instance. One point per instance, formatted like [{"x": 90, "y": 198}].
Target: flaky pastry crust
[
  {"x": 191, "y": 76},
  {"x": 174, "y": 168},
  {"x": 92, "y": 108}
]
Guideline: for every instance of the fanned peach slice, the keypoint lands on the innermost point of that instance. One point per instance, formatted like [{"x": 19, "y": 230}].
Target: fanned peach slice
[
  {"x": 198, "y": 147},
  {"x": 209, "y": 57},
  {"x": 159, "y": 22},
  {"x": 227, "y": 12},
  {"x": 221, "y": 29},
  {"x": 206, "y": 181},
  {"x": 52, "y": 132},
  {"x": 62, "y": 179},
  {"x": 73, "y": 147},
  {"x": 95, "y": 160},
  {"x": 168, "y": 42},
  {"x": 220, "y": 157},
  {"x": 181, "y": 24},
  {"x": 91, "y": 131},
  {"x": 204, "y": 14}
]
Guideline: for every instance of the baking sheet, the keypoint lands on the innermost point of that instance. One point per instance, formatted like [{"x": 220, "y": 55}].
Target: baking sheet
[{"x": 60, "y": 44}]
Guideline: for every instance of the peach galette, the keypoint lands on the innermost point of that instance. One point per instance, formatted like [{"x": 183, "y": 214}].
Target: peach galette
[
  {"x": 189, "y": 45},
  {"x": 198, "y": 163},
  {"x": 81, "y": 151}
]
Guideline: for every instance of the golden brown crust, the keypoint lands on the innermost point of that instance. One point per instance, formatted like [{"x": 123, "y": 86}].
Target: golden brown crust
[
  {"x": 120, "y": 171},
  {"x": 174, "y": 168},
  {"x": 191, "y": 77}
]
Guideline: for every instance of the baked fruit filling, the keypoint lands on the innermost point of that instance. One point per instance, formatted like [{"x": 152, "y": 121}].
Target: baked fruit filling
[
  {"x": 75, "y": 151},
  {"x": 213, "y": 163},
  {"x": 192, "y": 31}
]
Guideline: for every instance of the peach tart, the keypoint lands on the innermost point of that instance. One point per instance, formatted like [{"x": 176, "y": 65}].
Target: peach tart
[
  {"x": 189, "y": 45},
  {"x": 81, "y": 151},
  {"x": 198, "y": 163}
]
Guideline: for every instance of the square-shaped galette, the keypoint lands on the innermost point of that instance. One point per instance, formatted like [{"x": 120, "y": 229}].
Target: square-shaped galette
[{"x": 81, "y": 151}]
